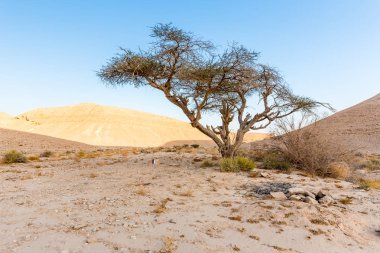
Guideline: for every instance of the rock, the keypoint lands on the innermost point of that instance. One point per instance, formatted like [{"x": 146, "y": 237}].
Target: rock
[
  {"x": 278, "y": 195},
  {"x": 300, "y": 191},
  {"x": 326, "y": 200},
  {"x": 264, "y": 174},
  {"x": 310, "y": 200},
  {"x": 295, "y": 197},
  {"x": 254, "y": 174},
  {"x": 296, "y": 191},
  {"x": 321, "y": 194},
  {"x": 309, "y": 194}
]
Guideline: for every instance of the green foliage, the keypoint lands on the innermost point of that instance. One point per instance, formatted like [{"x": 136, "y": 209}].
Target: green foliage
[
  {"x": 275, "y": 161},
  {"x": 14, "y": 156},
  {"x": 236, "y": 164}
]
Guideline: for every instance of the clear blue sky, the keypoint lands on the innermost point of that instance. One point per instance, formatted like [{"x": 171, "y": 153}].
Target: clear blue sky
[{"x": 49, "y": 50}]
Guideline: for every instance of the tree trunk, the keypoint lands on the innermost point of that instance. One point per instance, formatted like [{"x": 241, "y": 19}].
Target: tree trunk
[{"x": 227, "y": 151}]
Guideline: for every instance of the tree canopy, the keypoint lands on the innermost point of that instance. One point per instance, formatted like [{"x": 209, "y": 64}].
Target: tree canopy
[{"x": 194, "y": 76}]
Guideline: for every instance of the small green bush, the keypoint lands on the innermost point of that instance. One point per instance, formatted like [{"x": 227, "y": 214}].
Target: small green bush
[
  {"x": 195, "y": 145},
  {"x": 275, "y": 161},
  {"x": 14, "y": 156},
  {"x": 236, "y": 164},
  {"x": 46, "y": 153}
]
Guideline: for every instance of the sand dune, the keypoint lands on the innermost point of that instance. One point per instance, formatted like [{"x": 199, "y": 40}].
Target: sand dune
[{"x": 105, "y": 126}]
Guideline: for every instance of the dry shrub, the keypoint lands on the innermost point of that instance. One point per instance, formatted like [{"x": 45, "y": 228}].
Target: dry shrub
[
  {"x": 373, "y": 164},
  {"x": 46, "y": 153},
  {"x": 142, "y": 191},
  {"x": 338, "y": 170},
  {"x": 367, "y": 184},
  {"x": 162, "y": 206},
  {"x": 301, "y": 143},
  {"x": 14, "y": 156},
  {"x": 33, "y": 158},
  {"x": 207, "y": 164},
  {"x": 169, "y": 245}
]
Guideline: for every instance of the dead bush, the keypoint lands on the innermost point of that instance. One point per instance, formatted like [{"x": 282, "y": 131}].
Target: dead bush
[
  {"x": 301, "y": 143},
  {"x": 338, "y": 170}
]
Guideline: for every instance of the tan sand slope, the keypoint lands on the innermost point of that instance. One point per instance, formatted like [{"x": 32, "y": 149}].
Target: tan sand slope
[
  {"x": 357, "y": 127},
  {"x": 35, "y": 143},
  {"x": 104, "y": 125}
]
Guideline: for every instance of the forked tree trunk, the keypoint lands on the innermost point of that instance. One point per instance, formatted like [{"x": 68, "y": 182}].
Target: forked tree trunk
[{"x": 228, "y": 151}]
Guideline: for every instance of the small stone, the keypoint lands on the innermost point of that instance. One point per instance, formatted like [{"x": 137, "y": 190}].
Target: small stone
[
  {"x": 264, "y": 174},
  {"x": 133, "y": 237},
  {"x": 296, "y": 191},
  {"x": 295, "y": 197},
  {"x": 326, "y": 200},
  {"x": 254, "y": 174},
  {"x": 278, "y": 195},
  {"x": 321, "y": 194},
  {"x": 309, "y": 194},
  {"x": 310, "y": 200}
]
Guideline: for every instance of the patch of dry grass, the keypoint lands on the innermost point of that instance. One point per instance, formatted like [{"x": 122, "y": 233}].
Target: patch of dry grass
[
  {"x": 142, "y": 191},
  {"x": 34, "y": 158},
  {"x": 169, "y": 245},
  {"x": 187, "y": 193},
  {"x": 235, "y": 218},
  {"x": 161, "y": 208},
  {"x": 367, "y": 184},
  {"x": 346, "y": 200}
]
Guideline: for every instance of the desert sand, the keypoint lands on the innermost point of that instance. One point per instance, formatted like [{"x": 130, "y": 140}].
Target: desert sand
[
  {"x": 119, "y": 203},
  {"x": 108, "y": 126}
]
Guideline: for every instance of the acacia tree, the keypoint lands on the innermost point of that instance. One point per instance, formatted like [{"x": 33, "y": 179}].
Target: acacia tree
[{"x": 193, "y": 76}]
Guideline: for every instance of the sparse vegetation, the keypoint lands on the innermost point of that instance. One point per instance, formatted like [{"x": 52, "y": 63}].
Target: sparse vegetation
[
  {"x": 275, "y": 161},
  {"x": 14, "y": 156},
  {"x": 346, "y": 200},
  {"x": 187, "y": 193},
  {"x": 207, "y": 164},
  {"x": 33, "y": 158},
  {"x": 162, "y": 206},
  {"x": 236, "y": 164},
  {"x": 338, "y": 170},
  {"x": 367, "y": 184},
  {"x": 142, "y": 191},
  {"x": 299, "y": 143},
  {"x": 373, "y": 164},
  {"x": 46, "y": 153},
  {"x": 169, "y": 245}
]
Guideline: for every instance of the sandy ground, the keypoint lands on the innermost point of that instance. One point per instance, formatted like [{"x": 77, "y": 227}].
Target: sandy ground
[{"x": 121, "y": 204}]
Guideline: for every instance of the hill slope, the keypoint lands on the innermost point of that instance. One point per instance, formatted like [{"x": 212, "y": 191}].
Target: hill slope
[
  {"x": 357, "y": 127},
  {"x": 35, "y": 143}
]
